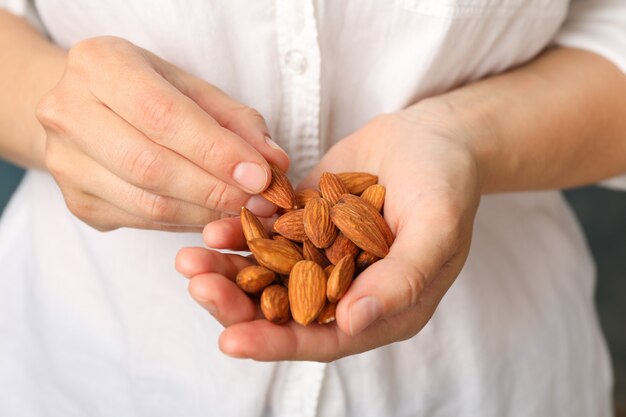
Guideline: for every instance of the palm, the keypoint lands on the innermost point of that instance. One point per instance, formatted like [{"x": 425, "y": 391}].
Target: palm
[{"x": 430, "y": 203}]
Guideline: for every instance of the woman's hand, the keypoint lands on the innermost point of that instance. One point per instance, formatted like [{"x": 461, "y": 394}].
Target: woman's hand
[
  {"x": 432, "y": 195},
  {"x": 134, "y": 141}
]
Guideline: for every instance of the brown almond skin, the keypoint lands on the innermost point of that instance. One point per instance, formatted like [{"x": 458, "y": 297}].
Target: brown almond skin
[
  {"x": 291, "y": 226},
  {"x": 375, "y": 195},
  {"x": 280, "y": 191},
  {"x": 293, "y": 244},
  {"x": 327, "y": 315},
  {"x": 328, "y": 270},
  {"x": 252, "y": 226},
  {"x": 311, "y": 253},
  {"x": 340, "y": 279},
  {"x": 357, "y": 223},
  {"x": 357, "y": 182},
  {"x": 331, "y": 187},
  {"x": 275, "y": 304},
  {"x": 341, "y": 247},
  {"x": 376, "y": 216},
  {"x": 307, "y": 291},
  {"x": 364, "y": 260},
  {"x": 254, "y": 278},
  {"x": 303, "y": 196},
  {"x": 317, "y": 224},
  {"x": 275, "y": 255}
]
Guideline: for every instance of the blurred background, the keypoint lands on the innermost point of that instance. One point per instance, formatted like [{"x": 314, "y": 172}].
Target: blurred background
[{"x": 602, "y": 213}]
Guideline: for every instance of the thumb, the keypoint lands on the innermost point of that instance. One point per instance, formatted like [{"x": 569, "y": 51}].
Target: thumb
[{"x": 423, "y": 262}]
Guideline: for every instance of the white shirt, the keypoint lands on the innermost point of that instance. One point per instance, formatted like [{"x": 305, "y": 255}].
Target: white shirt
[{"x": 100, "y": 324}]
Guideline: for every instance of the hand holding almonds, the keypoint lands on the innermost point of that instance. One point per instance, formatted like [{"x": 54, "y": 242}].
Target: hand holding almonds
[{"x": 321, "y": 243}]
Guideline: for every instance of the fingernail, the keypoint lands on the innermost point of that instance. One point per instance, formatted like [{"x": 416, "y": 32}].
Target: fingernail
[
  {"x": 274, "y": 145},
  {"x": 362, "y": 313},
  {"x": 250, "y": 176},
  {"x": 260, "y": 206}
]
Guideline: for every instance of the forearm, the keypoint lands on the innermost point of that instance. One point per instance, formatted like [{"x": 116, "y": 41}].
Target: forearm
[
  {"x": 31, "y": 66},
  {"x": 557, "y": 122}
]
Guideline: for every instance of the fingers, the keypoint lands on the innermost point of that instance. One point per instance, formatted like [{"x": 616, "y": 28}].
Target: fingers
[
  {"x": 195, "y": 261},
  {"x": 227, "y": 233},
  {"x": 212, "y": 284},
  {"x": 222, "y": 298},
  {"x": 69, "y": 166},
  {"x": 265, "y": 341},
  {"x": 105, "y": 217},
  {"x": 157, "y": 108},
  {"x": 127, "y": 110},
  {"x": 213, "y": 288},
  {"x": 130, "y": 155},
  {"x": 236, "y": 117}
]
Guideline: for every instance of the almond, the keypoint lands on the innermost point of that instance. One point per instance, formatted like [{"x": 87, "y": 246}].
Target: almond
[
  {"x": 375, "y": 195},
  {"x": 311, "y": 253},
  {"x": 327, "y": 315},
  {"x": 364, "y": 260},
  {"x": 252, "y": 226},
  {"x": 340, "y": 279},
  {"x": 317, "y": 224},
  {"x": 331, "y": 187},
  {"x": 328, "y": 270},
  {"x": 359, "y": 224},
  {"x": 275, "y": 255},
  {"x": 283, "y": 239},
  {"x": 280, "y": 191},
  {"x": 357, "y": 182},
  {"x": 303, "y": 196},
  {"x": 378, "y": 218},
  {"x": 307, "y": 291},
  {"x": 252, "y": 279},
  {"x": 341, "y": 247},
  {"x": 290, "y": 225},
  {"x": 275, "y": 304}
]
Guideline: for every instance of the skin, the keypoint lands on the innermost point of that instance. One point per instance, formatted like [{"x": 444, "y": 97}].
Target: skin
[
  {"x": 554, "y": 122},
  {"x": 163, "y": 149}
]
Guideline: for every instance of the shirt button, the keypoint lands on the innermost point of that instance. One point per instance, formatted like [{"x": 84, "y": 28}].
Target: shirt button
[{"x": 296, "y": 61}]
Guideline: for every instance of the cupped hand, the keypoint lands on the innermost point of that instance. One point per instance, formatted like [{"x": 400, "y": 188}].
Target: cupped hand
[
  {"x": 134, "y": 141},
  {"x": 433, "y": 191}
]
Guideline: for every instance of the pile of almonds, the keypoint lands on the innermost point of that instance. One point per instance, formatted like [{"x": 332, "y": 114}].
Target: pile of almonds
[{"x": 321, "y": 242}]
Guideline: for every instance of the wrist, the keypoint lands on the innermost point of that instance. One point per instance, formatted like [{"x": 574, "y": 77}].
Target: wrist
[
  {"x": 465, "y": 126},
  {"x": 31, "y": 67},
  {"x": 41, "y": 76}
]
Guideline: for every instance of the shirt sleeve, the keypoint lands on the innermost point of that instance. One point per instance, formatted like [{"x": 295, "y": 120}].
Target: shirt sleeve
[
  {"x": 598, "y": 26},
  {"x": 25, "y": 9}
]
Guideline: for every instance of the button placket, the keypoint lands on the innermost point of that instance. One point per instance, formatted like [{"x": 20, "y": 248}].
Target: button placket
[
  {"x": 296, "y": 61},
  {"x": 299, "y": 62},
  {"x": 299, "y": 383},
  {"x": 296, "y": 392}
]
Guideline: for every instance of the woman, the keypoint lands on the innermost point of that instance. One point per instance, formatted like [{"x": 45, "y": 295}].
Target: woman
[{"x": 151, "y": 127}]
